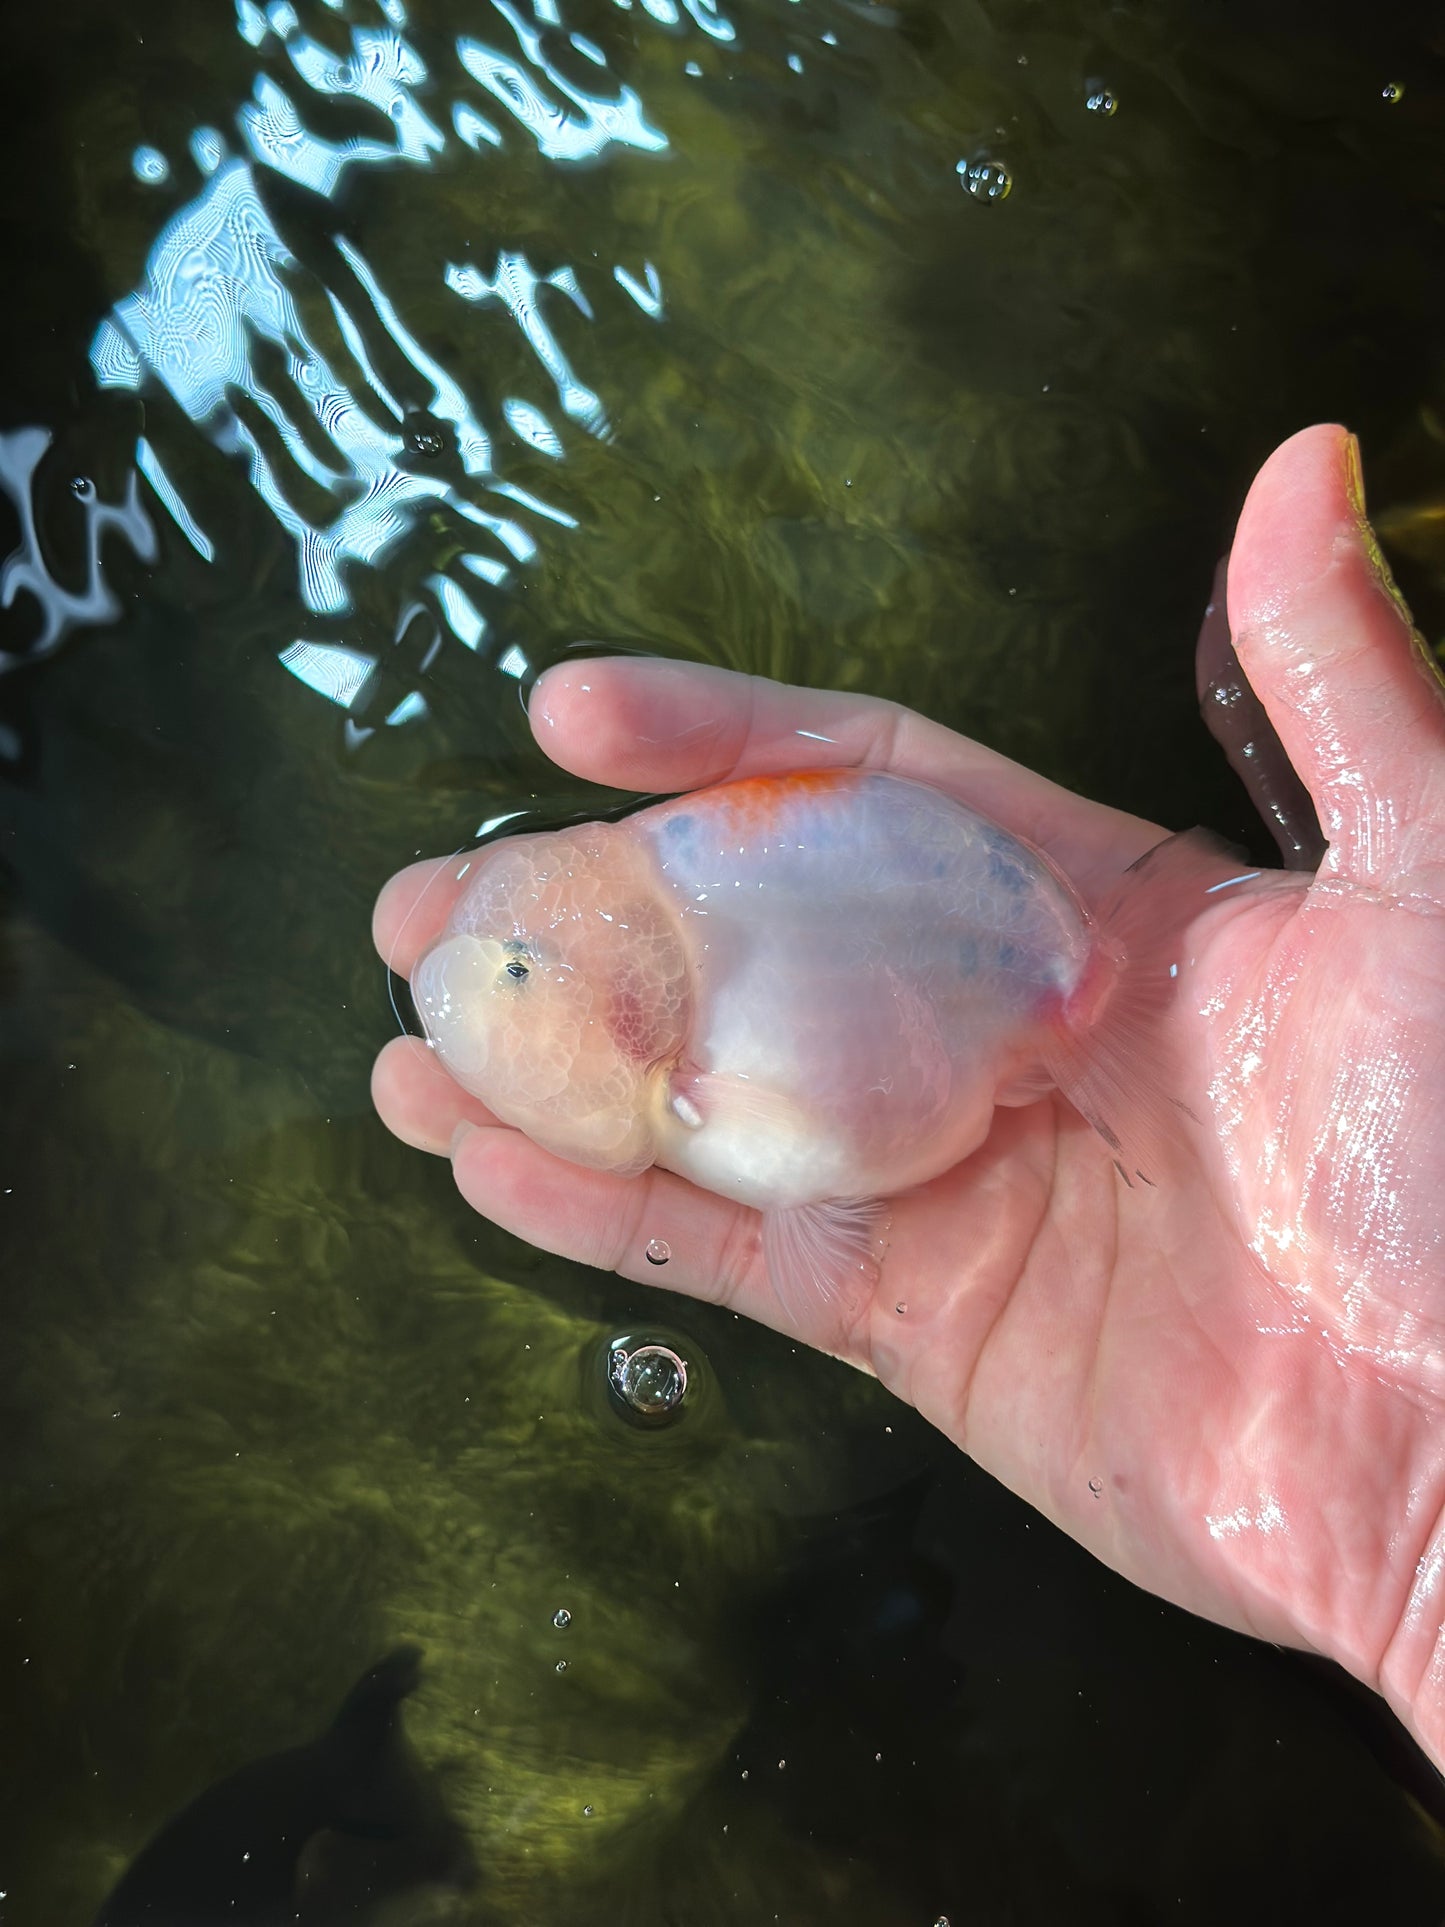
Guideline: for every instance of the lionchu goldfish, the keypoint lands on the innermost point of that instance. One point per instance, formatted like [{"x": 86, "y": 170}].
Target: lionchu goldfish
[{"x": 805, "y": 992}]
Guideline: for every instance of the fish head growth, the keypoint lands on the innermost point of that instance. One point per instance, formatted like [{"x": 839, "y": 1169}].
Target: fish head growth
[{"x": 559, "y": 990}]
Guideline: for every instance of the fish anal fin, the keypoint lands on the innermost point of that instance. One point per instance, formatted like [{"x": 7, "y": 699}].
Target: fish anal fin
[{"x": 816, "y": 1252}]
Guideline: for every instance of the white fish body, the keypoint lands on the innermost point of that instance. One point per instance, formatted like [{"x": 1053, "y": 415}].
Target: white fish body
[{"x": 803, "y": 992}]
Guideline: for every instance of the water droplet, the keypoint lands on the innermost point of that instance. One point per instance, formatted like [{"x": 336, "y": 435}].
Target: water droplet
[
  {"x": 1101, "y": 101},
  {"x": 900, "y": 1308},
  {"x": 653, "y": 1380},
  {"x": 985, "y": 180},
  {"x": 1096, "y": 1486},
  {"x": 1392, "y": 92},
  {"x": 424, "y": 435},
  {"x": 561, "y": 1619},
  {"x": 588, "y": 1812},
  {"x": 658, "y": 1251},
  {"x": 561, "y": 1665}
]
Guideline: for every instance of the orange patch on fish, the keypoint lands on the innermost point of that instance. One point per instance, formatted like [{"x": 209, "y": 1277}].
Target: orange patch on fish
[{"x": 756, "y": 802}]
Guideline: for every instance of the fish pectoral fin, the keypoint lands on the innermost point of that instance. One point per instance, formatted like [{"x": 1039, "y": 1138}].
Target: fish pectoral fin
[{"x": 817, "y": 1252}]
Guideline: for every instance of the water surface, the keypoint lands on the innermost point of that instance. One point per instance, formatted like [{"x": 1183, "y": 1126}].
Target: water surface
[{"x": 360, "y": 361}]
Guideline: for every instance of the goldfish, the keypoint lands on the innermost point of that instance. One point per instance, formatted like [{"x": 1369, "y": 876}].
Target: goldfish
[
  {"x": 805, "y": 992},
  {"x": 263, "y": 1846}
]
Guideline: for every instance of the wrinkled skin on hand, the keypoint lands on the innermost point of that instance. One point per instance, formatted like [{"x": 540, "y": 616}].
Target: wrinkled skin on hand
[{"x": 1229, "y": 1387}]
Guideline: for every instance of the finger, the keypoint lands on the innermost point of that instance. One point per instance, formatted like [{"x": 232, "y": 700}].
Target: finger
[
  {"x": 416, "y": 1099},
  {"x": 712, "y": 1248},
  {"x": 652, "y": 725},
  {"x": 1329, "y": 649},
  {"x": 412, "y": 909},
  {"x": 1237, "y": 721}
]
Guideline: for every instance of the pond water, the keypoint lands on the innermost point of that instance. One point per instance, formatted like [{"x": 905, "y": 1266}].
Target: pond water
[{"x": 360, "y": 361}]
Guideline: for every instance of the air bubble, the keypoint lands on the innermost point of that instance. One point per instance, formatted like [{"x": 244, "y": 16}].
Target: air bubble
[
  {"x": 652, "y": 1380},
  {"x": 943, "y": 1921},
  {"x": 1101, "y": 101},
  {"x": 1096, "y": 1486},
  {"x": 900, "y": 1308},
  {"x": 561, "y": 1619},
  {"x": 1392, "y": 93},
  {"x": 562, "y": 1665},
  {"x": 985, "y": 180},
  {"x": 424, "y": 435},
  {"x": 658, "y": 1251},
  {"x": 82, "y": 488},
  {"x": 587, "y": 1812}
]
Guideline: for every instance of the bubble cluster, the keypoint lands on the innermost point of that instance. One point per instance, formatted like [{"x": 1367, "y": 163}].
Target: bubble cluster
[{"x": 985, "y": 180}]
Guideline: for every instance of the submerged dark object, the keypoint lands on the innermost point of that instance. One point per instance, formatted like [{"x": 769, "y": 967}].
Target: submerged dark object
[{"x": 244, "y": 1848}]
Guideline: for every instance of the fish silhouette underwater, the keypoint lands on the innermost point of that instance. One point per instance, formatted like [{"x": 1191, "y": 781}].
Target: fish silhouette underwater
[
  {"x": 257, "y": 1849},
  {"x": 807, "y": 993}
]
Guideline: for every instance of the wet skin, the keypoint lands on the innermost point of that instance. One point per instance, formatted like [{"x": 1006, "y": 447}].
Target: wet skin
[{"x": 1228, "y": 1387}]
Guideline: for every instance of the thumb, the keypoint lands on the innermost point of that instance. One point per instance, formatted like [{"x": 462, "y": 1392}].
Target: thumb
[{"x": 1328, "y": 646}]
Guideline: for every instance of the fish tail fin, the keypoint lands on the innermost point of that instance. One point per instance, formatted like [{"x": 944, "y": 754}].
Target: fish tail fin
[
  {"x": 381, "y": 1794},
  {"x": 1114, "y": 1059},
  {"x": 368, "y": 1712},
  {"x": 364, "y": 1747}
]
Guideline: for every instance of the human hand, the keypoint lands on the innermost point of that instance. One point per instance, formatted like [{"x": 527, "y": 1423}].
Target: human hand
[{"x": 1228, "y": 1386}]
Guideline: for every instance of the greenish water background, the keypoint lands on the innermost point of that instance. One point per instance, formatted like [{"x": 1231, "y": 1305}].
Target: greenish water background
[{"x": 272, "y": 1399}]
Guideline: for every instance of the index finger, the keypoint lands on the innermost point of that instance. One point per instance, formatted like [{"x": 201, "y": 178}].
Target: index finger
[{"x": 668, "y": 726}]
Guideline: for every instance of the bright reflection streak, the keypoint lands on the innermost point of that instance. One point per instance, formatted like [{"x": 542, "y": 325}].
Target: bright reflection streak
[
  {"x": 515, "y": 285},
  {"x": 474, "y": 128},
  {"x": 215, "y": 323},
  {"x": 150, "y": 164},
  {"x": 149, "y": 464},
  {"x": 649, "y": 297},
  {"x": 207, "y": 150},
  {"x": 26, "y": 572},
  {"x": 333, "y": 672},
  {"x": 529, "y": 424},
  {"x": 562, "y": 135}
]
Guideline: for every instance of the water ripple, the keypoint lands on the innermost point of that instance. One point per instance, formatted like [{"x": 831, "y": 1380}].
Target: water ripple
[
  {"x": 26, "y": 572},
  {"x": 218, "y": 321}
]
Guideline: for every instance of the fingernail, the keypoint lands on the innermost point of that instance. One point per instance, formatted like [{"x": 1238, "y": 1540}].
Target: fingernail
[
  {"x": 1355, "y": 475},
  {"x": 460, "y": 1135},
  {"x": 1374, "y": 554}
]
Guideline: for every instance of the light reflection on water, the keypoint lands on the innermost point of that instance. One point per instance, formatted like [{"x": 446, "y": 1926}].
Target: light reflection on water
[{"x": 217, "y": 322}]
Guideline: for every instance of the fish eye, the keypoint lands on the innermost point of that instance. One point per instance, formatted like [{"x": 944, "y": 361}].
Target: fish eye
[{"x": 517, "y": 970}]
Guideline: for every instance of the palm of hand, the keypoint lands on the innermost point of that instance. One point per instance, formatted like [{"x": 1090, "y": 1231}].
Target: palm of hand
[{"x": 1227, "y": 1385}]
